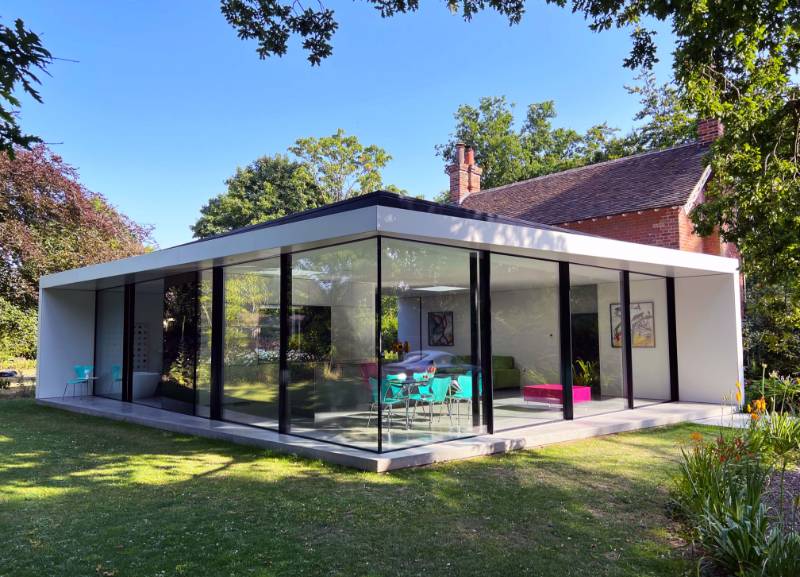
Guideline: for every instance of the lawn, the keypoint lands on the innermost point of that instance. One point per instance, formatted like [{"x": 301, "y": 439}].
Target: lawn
[{"x": 86, "y": 496}]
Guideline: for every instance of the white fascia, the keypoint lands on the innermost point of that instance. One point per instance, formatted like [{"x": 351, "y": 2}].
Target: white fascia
[{"x": 550, "y": 244}]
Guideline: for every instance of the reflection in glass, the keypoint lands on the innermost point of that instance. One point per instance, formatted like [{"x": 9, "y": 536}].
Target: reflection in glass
[
  {"x": 252, "y": 343},
  {"x": 432, "y": 387},
  {"x": 595, "y": 297},
  {"x": 165, "y": 343},
  {"x": 203, "y": 371},
  {"x": 331, "y": 355},
  {"x": 525, "y": 342},
  {"x": 650, "y": 351},
  {"x": 109, "y": 329}
]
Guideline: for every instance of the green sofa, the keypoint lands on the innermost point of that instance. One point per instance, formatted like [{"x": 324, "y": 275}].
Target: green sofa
[{"x": 505, "y": 375}]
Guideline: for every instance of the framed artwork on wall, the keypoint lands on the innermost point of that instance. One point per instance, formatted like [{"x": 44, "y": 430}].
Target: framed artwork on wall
[
  {"x": 643, "y": 325},
  {"x": 440, "y": 329}
]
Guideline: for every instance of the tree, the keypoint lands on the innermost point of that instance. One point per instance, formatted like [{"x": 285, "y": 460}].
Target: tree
[
  {"x": 270, "y": 187},
  {"x": 507, "y": 154},
  {"x": 668, "y": 122},
  {"x": 49, "y": 222},
  {"x": 21, "y": 55},
  {"x": 733, "y": 60},
  {"x": 340, "y": 165},
  {"x": 324, "y": 170}
]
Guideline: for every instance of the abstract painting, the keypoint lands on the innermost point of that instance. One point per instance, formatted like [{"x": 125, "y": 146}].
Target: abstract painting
[
  {"x": 440, "y": 329},
  {"x": 643, "y": 325}
]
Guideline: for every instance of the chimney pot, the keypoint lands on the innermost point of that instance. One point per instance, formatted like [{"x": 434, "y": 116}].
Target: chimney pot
[
  {"x": 460, "y": 153},
  {"x": 470, "y": 156}
]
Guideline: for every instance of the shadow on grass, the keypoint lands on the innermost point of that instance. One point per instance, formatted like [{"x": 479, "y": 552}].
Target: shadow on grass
[{"x": 82, "y": 495}]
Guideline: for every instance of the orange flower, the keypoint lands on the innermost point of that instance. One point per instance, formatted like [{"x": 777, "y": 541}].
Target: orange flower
[
  {"x": 754, "y": 416},
  {"x": 696, "y": 437}
]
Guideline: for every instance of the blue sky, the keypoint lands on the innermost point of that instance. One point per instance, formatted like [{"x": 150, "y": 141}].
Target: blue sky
[{"x": 165, "y": 101}]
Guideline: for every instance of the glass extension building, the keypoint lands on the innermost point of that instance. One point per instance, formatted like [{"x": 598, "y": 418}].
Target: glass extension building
[{"x": 385, "y": 323}]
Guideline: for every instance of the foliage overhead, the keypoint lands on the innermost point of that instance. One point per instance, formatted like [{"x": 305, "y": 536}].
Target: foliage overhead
[
  {"x": 271, "y": 186},
  {"x": 49, "y": 222},
  {"x": 21, "y": 55},
  {"x": 272, "y": 23}
]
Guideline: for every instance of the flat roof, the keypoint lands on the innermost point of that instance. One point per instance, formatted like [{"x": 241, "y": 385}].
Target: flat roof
[{"x": 386, "y": 213}]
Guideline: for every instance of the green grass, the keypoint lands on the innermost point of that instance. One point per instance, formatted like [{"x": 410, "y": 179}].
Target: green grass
[{"x": 87, "y": 496}]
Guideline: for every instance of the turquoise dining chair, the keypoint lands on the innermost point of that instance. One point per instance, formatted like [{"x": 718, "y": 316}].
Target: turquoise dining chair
[
  {"x": 82, "y": 375},
  {"x": 392, "y": 396}
]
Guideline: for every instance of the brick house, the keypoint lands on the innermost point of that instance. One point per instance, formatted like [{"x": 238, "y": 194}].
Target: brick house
[{"x": 645, "y": 198}]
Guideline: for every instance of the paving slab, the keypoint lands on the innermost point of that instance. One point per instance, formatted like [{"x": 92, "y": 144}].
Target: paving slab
[{"x": 535, "y": 436}]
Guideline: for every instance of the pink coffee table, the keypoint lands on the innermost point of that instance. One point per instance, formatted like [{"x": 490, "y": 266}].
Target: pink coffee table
[{"x": 555, "y": 392}]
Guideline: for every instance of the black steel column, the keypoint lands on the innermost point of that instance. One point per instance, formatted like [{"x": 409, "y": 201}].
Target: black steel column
[
  {"x": 484, "y": 289},
  {"x": 217, "y": 340},
  {"x": 475, "y": 351},
  {"x": 378, "y": 340},
  {"x": 284, "y": 417},
  {"x": 129, "y": 299},
  {"x": 627, "y": 346},
  {"x": 672, "y": 328},
  {"x": 565, "y": 337}
]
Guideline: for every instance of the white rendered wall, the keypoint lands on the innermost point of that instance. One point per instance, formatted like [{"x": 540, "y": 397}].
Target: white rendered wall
[
  {"x": 709, "y": 337},
  {"x": 66, "y": 338}
]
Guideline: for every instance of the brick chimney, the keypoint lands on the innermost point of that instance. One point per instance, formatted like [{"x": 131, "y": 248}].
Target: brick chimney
[
  {"x": 465, "y": 175},
  {"x": 708, "y": 130}
]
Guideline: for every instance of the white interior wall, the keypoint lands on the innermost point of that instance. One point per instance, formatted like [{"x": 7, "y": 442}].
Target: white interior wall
[
  {"x": 651, "y": 365},
  {"x": 149, "y": 316},
  {"x": 610, "y": 357},
  {"x": 709, "y": 337},
  {"x": 408, "y": 328},
  {"x": 525, "y": 326},
  {"x": 66, "y": 338}
]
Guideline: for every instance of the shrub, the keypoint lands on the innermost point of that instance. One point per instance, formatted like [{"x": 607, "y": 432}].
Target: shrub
[
  {"x": 720, "y": 487},
  {"x": 736, "y": 540},
  {"x": 17, "y": 331},
  {"x": 715, "y": 475}
]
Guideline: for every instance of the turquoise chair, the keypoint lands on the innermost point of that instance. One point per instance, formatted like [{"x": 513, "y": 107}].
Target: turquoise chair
[
  {"x": 422, "y": 394},
  {"x": 464, "y": 391},
  {"x": 82, "y": 375},
  {"x": 440, "y": 394},
  {"x": 392, "y": 396}
]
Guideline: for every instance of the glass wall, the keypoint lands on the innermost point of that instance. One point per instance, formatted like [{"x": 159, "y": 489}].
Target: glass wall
[
  {"x": 595, "y": 297},
  {"x": 109, "y": 328},
  {"x": 525, "y": 342},
  {"x": 331, "y": 355},
  {"x": 432, "y": 387},
  {"x": 203, "y": 372},
  {"x": 165, "y": 343},
  {"x": 649, "y": 339},
  {"x": 252, "y": 343}
]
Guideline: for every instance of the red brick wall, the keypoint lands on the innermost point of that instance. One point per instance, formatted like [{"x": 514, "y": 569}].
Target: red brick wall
[
  {"x": 659, "y": 227},
  {"x": 667, "y": 227}
]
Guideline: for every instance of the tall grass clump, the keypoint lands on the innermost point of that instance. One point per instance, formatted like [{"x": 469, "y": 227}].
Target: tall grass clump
[{"x": 719, "y": 495}]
